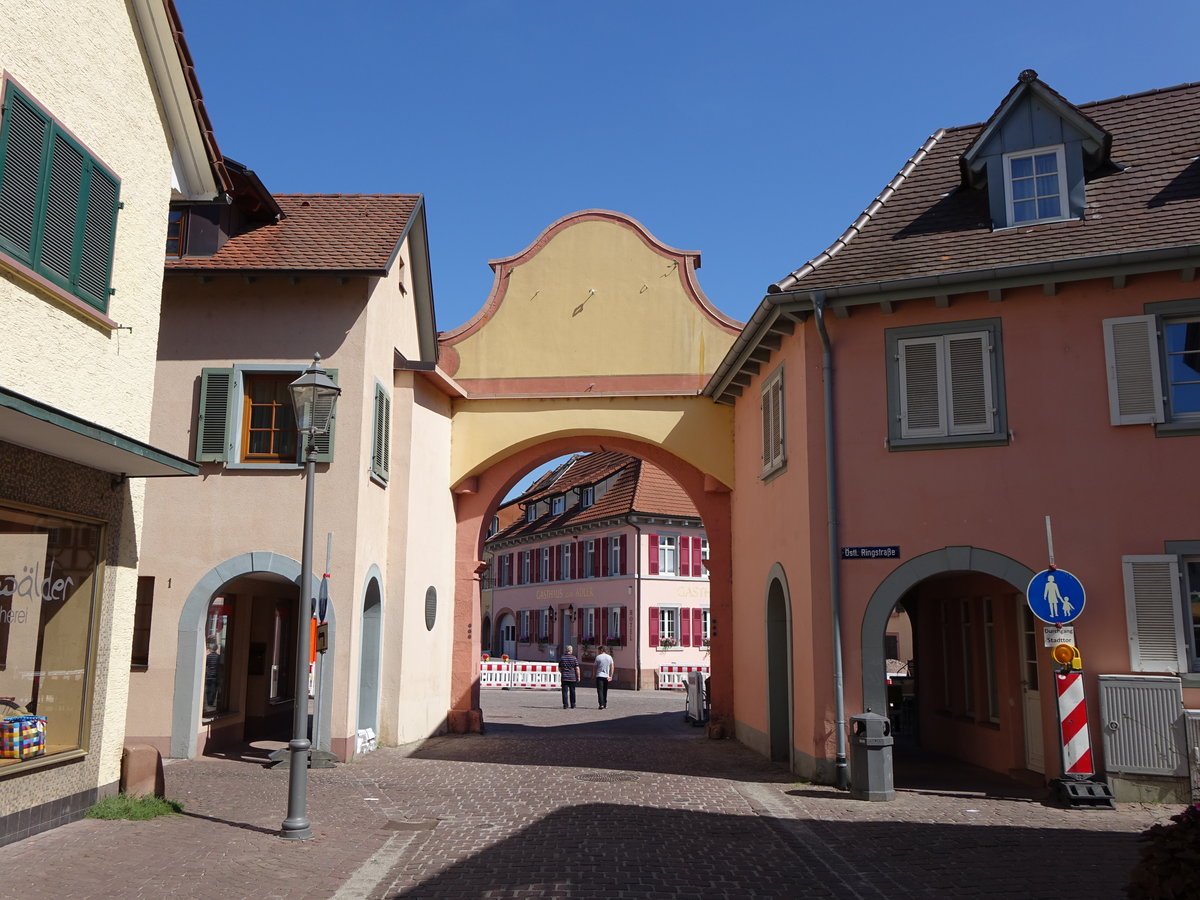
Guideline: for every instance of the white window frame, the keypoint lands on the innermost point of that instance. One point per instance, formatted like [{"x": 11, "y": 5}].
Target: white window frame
[
  {"x": 530, "y": 512},
  {"x": 668, "y": 554},
  {"x": 587, "y": 496},
  {"x": 774, "y": 424},
  {"x": 1139, "y": 371},
  {"x": 1064, "y": 200},
  {"x": 589, "y": 626},
  {"x": 589, "y": 559},
  {"x": 614, "y": 555},
  {"x": 526, "y": 567},
  {"x": 668, "y": 625},
  {"x": 613, "y": 626},
  {"x": 544, "y": 564},
  {"x": 558, "y": 505},
  {"x": 705, "y": 625},
  {"x": 564, "y": 562}
]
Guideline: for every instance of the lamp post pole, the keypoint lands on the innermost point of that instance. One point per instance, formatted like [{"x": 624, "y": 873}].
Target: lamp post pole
[
  {"x": 314, "y": 396},
  {"x": 296, "y": 825}
]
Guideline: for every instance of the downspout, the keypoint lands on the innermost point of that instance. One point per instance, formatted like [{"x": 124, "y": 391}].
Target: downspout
[
  {"x": 835, "y": 588},
  {"x": 637, "y": 601}
]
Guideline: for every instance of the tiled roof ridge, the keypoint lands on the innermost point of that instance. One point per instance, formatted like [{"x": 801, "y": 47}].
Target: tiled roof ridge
[{"x": 860, "y": 223}]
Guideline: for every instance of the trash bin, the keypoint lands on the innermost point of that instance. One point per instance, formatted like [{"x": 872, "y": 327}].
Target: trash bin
[{"x": 871, "y": 757}]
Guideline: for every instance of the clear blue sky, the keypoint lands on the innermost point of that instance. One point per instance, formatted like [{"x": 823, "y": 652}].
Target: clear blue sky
[{"x": 754, "y": 132}]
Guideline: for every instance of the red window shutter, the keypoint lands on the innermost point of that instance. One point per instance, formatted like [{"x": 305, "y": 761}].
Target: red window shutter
[
  {"x": 535, "y": 566},
  {"x": 555, "y": 563},
  {"x": 697, "y": 563},
  {"x": 685, "y": 556},
  {"x": 602, "y": 625},
  {"x": 653, "y": 623},
  {"x": 604, "y": 557},
  {"x": 624, "y": 564},
  {"x": 698, "y": 627},
  {"x": 653, "y": 555},
  {"x": 521, "y": 567},
  {"x": 685, "y": 628},
  {"x": 624, "y": 631}
]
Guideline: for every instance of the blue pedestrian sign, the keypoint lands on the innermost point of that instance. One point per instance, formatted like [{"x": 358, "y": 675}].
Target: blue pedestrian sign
[{"x": 1056, "y": 597}]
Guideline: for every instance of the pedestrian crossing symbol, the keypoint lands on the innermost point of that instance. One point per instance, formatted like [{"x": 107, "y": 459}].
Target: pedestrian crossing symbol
[{"x": 1055, "y": 596}]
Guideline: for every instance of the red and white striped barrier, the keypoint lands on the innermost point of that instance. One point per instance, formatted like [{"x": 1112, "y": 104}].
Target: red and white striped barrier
[
  {"x": 675, "y": 677},
  {"x": 1072, "y": 720},
  {"x": 514, "y": 674}
]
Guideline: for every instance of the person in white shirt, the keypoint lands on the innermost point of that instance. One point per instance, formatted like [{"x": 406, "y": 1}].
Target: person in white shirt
[{"x": 605, "y": 670}]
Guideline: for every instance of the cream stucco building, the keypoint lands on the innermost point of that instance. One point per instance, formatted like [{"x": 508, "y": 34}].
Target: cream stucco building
[{"x": 84, "y": 190}]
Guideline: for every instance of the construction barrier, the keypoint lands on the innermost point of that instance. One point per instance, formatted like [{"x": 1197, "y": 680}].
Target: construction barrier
[
  {"x": 515, "y": 674},
  {"x": 675, "y": 677},
  {"x": 1073, "y": 726}
]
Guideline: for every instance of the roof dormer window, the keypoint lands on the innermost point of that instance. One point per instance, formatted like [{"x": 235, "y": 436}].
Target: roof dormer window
[
  {"x": 1035, "y": 185},
  {"x": 558, "y": 505},
  {"x": 531, "y": 512}
]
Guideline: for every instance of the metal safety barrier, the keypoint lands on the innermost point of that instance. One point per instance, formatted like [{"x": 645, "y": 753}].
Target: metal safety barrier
[
  {"x": 672, "y": 678},
  {"x": 515, "y": 674}
]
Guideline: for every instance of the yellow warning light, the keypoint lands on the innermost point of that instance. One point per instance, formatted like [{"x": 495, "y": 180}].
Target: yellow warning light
[{"x": 1067, "y": 655}]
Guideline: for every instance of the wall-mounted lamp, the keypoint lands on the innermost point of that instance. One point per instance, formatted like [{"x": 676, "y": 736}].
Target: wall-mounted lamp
[{"x": 571, "y": 611}]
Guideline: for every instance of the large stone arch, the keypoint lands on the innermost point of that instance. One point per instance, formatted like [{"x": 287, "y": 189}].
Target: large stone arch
[
  {"x": 899, "y": 582},
  {"x": 476, "y": 506},
  {"x": 189, "y": 659}
]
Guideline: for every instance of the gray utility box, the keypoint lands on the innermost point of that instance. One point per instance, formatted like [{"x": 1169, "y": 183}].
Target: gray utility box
[{"x": 871, "y": 757}]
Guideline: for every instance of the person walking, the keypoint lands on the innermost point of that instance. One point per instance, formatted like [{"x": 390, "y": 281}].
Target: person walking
[
  {"x": 604, "y": 674},
  {"x": 568, "y": 673}
]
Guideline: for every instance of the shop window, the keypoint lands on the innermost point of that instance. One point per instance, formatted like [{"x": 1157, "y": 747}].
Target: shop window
[
  {"x": 51, "y": 567},
  {"x": 218, "y": 657}
]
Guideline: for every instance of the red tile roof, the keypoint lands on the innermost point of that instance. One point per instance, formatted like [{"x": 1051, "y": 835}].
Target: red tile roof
[
  {"x": 930, "y": 227},
  {"x": 319, "y": 232},
  {"x": 640, "y": 487}
]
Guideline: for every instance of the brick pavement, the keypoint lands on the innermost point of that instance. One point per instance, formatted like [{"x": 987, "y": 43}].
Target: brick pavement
[{"x": 629, "y": 802}]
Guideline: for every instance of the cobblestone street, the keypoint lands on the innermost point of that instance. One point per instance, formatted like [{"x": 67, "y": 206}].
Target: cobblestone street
[{"x": 628, "y": 802}]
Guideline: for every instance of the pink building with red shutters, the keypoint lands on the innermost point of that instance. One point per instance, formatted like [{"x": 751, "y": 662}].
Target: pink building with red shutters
[{"x": 607, "y": 550}]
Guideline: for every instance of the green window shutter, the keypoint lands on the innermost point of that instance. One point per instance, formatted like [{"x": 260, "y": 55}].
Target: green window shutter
[
  {"x": 212, "y": 426},
  {"x": 58, "y": 205},
  {"x": 381, "y": 444},
  {"x": 1154, "y": 614},
  {"x": 24, "y": 133},
  {"x": 325, "y": 441}
]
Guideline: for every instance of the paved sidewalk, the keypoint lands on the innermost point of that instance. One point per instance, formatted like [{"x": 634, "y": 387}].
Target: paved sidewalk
[{"x": 629, "y": 802}]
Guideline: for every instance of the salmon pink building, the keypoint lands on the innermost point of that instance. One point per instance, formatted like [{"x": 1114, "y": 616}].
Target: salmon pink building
[
  {"x": 605, "y": 549},
  {"x": 996, "y": 367}
]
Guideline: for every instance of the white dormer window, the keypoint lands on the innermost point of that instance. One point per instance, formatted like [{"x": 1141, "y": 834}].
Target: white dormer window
[
  {"x": 1035, "y": 185},
  {"x": 531, "y": 512},
  {"x": 587, "y": 496},
  {"x": 558, "y": 505}
]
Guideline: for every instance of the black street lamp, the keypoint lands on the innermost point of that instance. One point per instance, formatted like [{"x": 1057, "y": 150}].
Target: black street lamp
[{"x": 314, "y": 397}]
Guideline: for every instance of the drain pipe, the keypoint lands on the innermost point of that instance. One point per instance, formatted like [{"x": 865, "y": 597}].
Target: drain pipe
[
  {"x": 835, "y": 589},
  {"x": 637, "y": 602}
]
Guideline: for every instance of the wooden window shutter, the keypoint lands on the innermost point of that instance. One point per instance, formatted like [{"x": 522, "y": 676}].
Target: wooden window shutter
[
  {"x": 772, "y": 422},
  {"x": 969, "y": 383},
  {"x": 921, "y": 410},
  {"x": 685, "y": 555},
  {"x": 381, "y": 445},
  {"x": 652, "y": 625},
  {"x": 652, "y": 556},
  {"x": 624, "y": 630},
  {"x": 624, "y": 560},
  {"x": 1154, "y": 613},
  {"x": 1131, "y": 355},
  {"x": 698, "y": 626},
  {"x": 24, "y": 132},
  {"x": 685, "y": 628},
  {"x": 212, "y": 425},
  {"x": 324, "y": 441},
  {"x": 602, "y": 626},
  {"x": 697, "y": 560}
]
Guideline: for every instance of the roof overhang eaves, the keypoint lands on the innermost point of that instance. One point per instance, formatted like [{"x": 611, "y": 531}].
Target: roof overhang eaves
[
  {"x": 262, "y": 272},
  {"x": 798, "y": 302},
  {"x": 54, "y": 432}
]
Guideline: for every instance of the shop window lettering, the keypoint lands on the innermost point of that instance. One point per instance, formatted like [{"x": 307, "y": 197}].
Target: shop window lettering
[{"x": 31, "y": 586}]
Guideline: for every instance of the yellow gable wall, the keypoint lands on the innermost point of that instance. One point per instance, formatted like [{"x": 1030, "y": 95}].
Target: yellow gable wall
[
  {"x": 595, "y": 329},
  {"x": 594, "y": 296}
]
